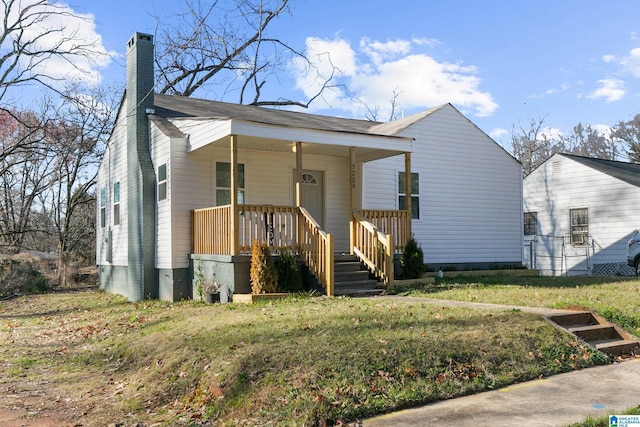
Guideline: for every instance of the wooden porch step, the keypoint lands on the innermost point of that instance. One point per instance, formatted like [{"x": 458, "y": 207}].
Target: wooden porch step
[{"x": 352, "y": 279}]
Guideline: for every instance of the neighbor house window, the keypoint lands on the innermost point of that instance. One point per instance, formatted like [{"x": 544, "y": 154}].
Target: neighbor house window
[
  {"x": 223, "y": 183},
  {"x": 415, "y": 192},
  {"x": 579, "y": 226},
  {"x": 530, "y": 223},
  {"x": 162, "y": 182},
  {"x": 116, "y": 203},
  {"x": 103, "y": 207}
]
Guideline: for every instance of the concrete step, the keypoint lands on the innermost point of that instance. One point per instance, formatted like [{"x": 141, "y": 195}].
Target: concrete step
[
  {"x": 596, "y": 332},
  {"x": 580, "y": 318},
  {"x": 619, "y": 347}
]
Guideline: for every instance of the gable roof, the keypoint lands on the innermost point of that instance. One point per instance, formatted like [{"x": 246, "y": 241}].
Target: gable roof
[
  {"x": 176, "y": 107},
  {"x": 627, "y": 172}
]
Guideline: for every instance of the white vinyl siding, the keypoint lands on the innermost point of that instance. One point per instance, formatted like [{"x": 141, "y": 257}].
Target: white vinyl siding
[
  {"x": 562, "y": 184},
  {"x": 113, "y": 169},
  {"x": 470, "y": 191}
]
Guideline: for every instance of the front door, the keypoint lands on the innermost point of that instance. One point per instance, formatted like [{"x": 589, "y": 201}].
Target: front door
[{"x": 313, "y": 194}]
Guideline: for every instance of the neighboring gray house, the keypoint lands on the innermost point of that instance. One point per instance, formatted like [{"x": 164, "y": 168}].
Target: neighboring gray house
[
  {"x": 316, "y": 185},
  {"x": 579, "y": 214}
]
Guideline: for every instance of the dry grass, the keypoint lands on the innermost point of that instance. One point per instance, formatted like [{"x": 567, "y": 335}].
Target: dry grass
[{"x": 304, "y": 361}]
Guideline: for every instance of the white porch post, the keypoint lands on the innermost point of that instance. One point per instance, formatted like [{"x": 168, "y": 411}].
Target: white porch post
[
  {"x": 299, "y": 193},
  {"x": 234, "y": 196},
  {"x": 352, "y": 190}
]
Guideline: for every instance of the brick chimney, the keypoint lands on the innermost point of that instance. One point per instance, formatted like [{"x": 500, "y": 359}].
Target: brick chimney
[{"x": 141, "y": 183}]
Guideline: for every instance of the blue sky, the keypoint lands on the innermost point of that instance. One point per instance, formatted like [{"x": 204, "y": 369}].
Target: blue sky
[{"x": 499, "y": 62}]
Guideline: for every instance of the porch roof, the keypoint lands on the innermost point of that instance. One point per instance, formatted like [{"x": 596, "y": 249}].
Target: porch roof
[{"x": 267, "y": 129}]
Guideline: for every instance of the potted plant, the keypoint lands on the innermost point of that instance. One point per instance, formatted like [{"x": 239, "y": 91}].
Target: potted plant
[{"x": 211, "y": 290}]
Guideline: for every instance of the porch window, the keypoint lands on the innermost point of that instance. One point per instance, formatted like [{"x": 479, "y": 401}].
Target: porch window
[
  {"x": 530, "y": 223},
  {"x": 579, "y": 226},
  {"x": 223, "y": 183},
  {"x": 103, "y": 207},
  {"x": 162, "y": 182},
  {"x": 415, "y": 194},
  {"x": 116, "y": 203}
]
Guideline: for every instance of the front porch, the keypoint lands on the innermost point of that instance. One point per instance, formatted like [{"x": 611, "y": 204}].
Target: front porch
[
  {"x": 373, "y": 236},
  {"x": 224, "y": 234}
]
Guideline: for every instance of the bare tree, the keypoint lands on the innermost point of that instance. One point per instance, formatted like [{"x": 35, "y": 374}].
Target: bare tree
[
  {"x": 226, "y": 43},
  {"x": 32, "y": 33},
  {"x": 628, "y": 133},
  {"x": 531, "y": 145},
  {"x": 372, "y": 112},
  {"x": 588, "y": 142},
  {"x": 76, "y": 138},
  {"x": 26, "y": 173}
]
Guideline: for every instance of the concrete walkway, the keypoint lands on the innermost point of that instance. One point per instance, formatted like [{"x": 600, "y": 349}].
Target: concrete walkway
[{"x": 559, "y": 400}]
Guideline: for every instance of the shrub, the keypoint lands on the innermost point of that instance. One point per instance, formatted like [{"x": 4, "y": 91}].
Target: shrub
[
  {"x": 21, "y": 276},
  {"x": 412, "y": 259},
  {"x": 264, "y": 278},
  {"x": 289, "y": 278}
]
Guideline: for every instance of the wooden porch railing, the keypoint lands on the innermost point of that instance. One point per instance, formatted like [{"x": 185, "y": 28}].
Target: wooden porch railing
[
  {"x": 373, "y": 247},
  {"x": 275, "y": 225},
  {"x": 210, "y": 230},
  {"x": 282, "y": 227},
  {"x": 376, "y": 236},
  {"x": 316, "y": 248},
  {"x": 394, "y": 222}
]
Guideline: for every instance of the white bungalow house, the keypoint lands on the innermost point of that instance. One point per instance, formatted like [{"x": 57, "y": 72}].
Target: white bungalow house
[
  {"x": 187, "y": 184},
  {"x": 579, "y": 213}
]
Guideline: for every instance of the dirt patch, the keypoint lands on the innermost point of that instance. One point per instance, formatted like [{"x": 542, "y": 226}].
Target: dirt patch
[{"x": 23, "y": 418}]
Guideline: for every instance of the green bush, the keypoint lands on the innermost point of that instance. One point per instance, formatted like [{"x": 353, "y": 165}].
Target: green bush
[
  {"x": 21, "y": 276},
  {"x": 412, "y": 260},
  {"x": 289, "y": 278}
]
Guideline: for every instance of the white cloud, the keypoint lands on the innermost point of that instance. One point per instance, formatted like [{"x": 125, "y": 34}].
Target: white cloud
[
  {"x": 608, "y": 58},
  {"x": 610, "y": 89},
  {"x": 551, "y": 133},
  {"x": 59, "y": 25},
  {"x": 631, "y": 62},
  {"x": 498, "y": 133},
  {"x": 563, "y": 88},
  {"x": 377, "y": 70}
]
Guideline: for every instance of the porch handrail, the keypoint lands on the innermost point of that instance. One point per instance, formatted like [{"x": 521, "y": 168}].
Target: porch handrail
[
  {"x": 374, "y": 248},
  {"x": 316, "y": 248},
  {"x": 210, "y": 232},
  {"x": 394, "y": 222}
]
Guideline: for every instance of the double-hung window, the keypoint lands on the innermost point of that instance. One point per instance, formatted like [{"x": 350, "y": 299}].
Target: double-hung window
[
  {"x": 162, "y": 181},
  {"x": 223, "y": 183},
  {"x": 103, "y": 207},
  {"x": 579, "y": 226},
  {"x": 116, "y": 203},
  {"x": 415, "y": 194},
  {"x": 530, "y": 223}
]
